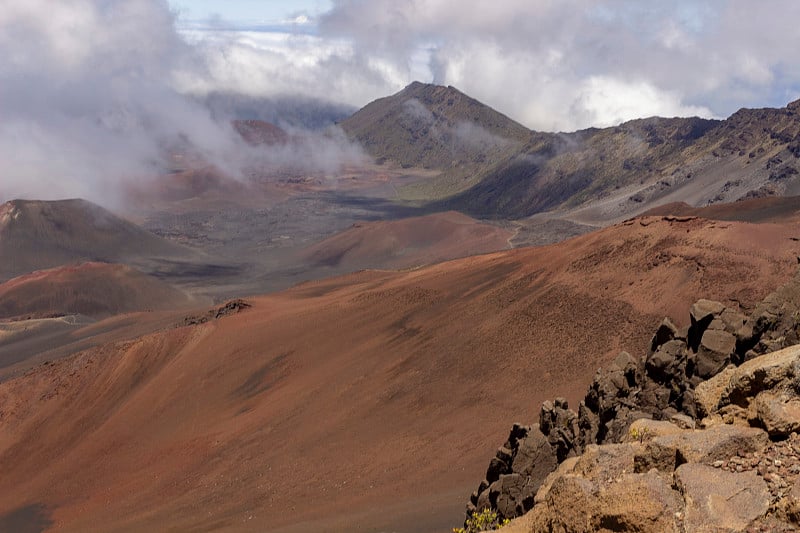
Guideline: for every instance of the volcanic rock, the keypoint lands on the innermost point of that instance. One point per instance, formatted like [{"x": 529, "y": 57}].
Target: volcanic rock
[
  {"x": 714, "y": 353},
  {"x": 779, "y": 415},
  {"x": 632, "y": 502},
  {"x": 720, "y": 501},
  {"x": 699, "y": 446},
  {"x": 516, "y": 472},
  {"x": 653, "y": 403}
]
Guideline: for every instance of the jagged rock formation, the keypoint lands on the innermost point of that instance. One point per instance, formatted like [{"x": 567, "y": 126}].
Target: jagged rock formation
[
  {"x": 727, "y": 477},
  {"x": 229, "y": 308},
  {"x": 630, "y": 459}
]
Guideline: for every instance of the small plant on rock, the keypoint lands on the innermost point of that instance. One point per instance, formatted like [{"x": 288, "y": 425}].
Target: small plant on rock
[
  {"x": 484, "y": 520},
  {"x": 641, "y": 434}
]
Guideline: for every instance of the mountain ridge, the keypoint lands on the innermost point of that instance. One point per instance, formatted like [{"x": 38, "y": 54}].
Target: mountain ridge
[
  {"x": 595, "y": 174},
  {"x": 432, "y": 126}
]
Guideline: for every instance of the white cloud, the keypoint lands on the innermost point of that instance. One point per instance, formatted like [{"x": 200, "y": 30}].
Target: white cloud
[
  {"x": 277, "y": 64},
  {"x": 86, "y": 99},
  {"x": 605, "y": 101},
  {"x": 567, "y": 64},
  {"x": 91, "y": 98},
  {"x": 553, "y": 65},
  {"x": 92, "y": 91}
]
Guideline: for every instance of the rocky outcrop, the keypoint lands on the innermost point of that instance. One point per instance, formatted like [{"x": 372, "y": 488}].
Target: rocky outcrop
[
  {"x": 715, "y": 500},
  {"x": 712, "y": 374},
  {"x": 229, "y": 308},
  {"x": 515, "y": 473},
  {"x": 723, "y": 478}
]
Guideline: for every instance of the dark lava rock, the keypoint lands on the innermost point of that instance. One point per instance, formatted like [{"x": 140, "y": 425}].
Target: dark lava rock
[{"x": 660, "y": 384}]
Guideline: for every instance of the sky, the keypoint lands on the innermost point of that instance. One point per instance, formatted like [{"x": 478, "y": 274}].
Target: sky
[
  {"x": 550, "y": 64},
  {"x": 249, "y": 11},
  {"x": 92, "y": 92}
]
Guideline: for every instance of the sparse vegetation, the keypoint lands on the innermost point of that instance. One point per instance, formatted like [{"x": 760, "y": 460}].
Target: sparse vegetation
[
  {"x": 485, "y": 520},
  {"x": 640, "y": 434}
]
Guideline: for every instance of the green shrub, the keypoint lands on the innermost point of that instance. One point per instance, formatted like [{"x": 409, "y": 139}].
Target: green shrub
[
  {"x": 485, "y": 520},
  {"x": 640, "y": 434}
]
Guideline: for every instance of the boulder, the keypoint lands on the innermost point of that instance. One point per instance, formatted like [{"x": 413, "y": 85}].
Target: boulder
[
  {"x": 668, "y": 362},
  {"x": 483, "y": 503},
  {"x": 732, "y": 320},
  {"x": 516, "y": 472},
  {"x": 638, "y": 502},
  {"x": 518, "y": 431},
  {"x": 778, "y": 414},
  {"x": 560, "y": 424},
  {"x": 683, "y": 421},
  {"x": 702, "y": 313},
  {"x": 617, "y": 427},
  {"x": 646, "y": 429},
  {"x": 720, "y": 442},
  {"x": 719, "y": 501},
  {"x": 687, "y": 405},
  {"x": 774, "y": 323},
  {"x": 511, "y": 495},
  {"x": 632, "y": 502},
  {"x": 497, "y": 467},
  {"x": 775, "y": 371},
  {"x": 534, "y": 457},
  {"x": 566, "y": 467},
  {"x": 588, "y": 426},
  {"x": 714, "y": 352},
  {"x": 778, "y": 372},
  {"x": 655, "y": 397},
  {"x": 709, "y": 394},
  {"x": 609, "y": 461},
  {"x": 570, "y": 505},
  {"x": 666, "y": 332}
]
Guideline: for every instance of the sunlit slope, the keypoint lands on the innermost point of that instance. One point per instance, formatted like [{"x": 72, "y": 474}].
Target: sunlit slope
[{"x": 344, "y": 404}]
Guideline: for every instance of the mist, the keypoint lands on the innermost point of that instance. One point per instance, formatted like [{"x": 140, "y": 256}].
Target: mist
[
  {"x": 573, "y": 64},
  {"x": 95, "y": 94},
  {"x": 91, "y": 102},
  {"x": 284, "y": 110}
]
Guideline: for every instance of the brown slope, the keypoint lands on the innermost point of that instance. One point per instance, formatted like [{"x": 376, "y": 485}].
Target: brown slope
[
  {"x": 204, "y": 182},
  {"x": 92, "y": 289},
  {"x": 359, "y": 403},
  {"x": 406, "y": 242},
  {"x": 35, "y": 235},
  {"x": 571, "y": 169},
  {"x": 627, "y": 169},
  {"x": 773, "y": 209},
  {"x": 610, "y": 173},
  {"x": 259, "y": 132}
]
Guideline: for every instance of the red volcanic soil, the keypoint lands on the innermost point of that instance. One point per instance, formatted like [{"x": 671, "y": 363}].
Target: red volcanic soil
[
  {"x": 37, "y": 234},
  {"x": 773, "y": 209},
  {"x": 367, "y": 402},
  {"x": 196, "y": 182},
  {"x": 256, "y": 132},
  {"x": 407, "y": 242},
  {"x": 91, "y": 289},
  {"x": 204, "y": 182}
]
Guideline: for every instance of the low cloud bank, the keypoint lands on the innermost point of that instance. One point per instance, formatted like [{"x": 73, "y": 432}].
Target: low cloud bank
[{"x": 91, "y": 100}]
